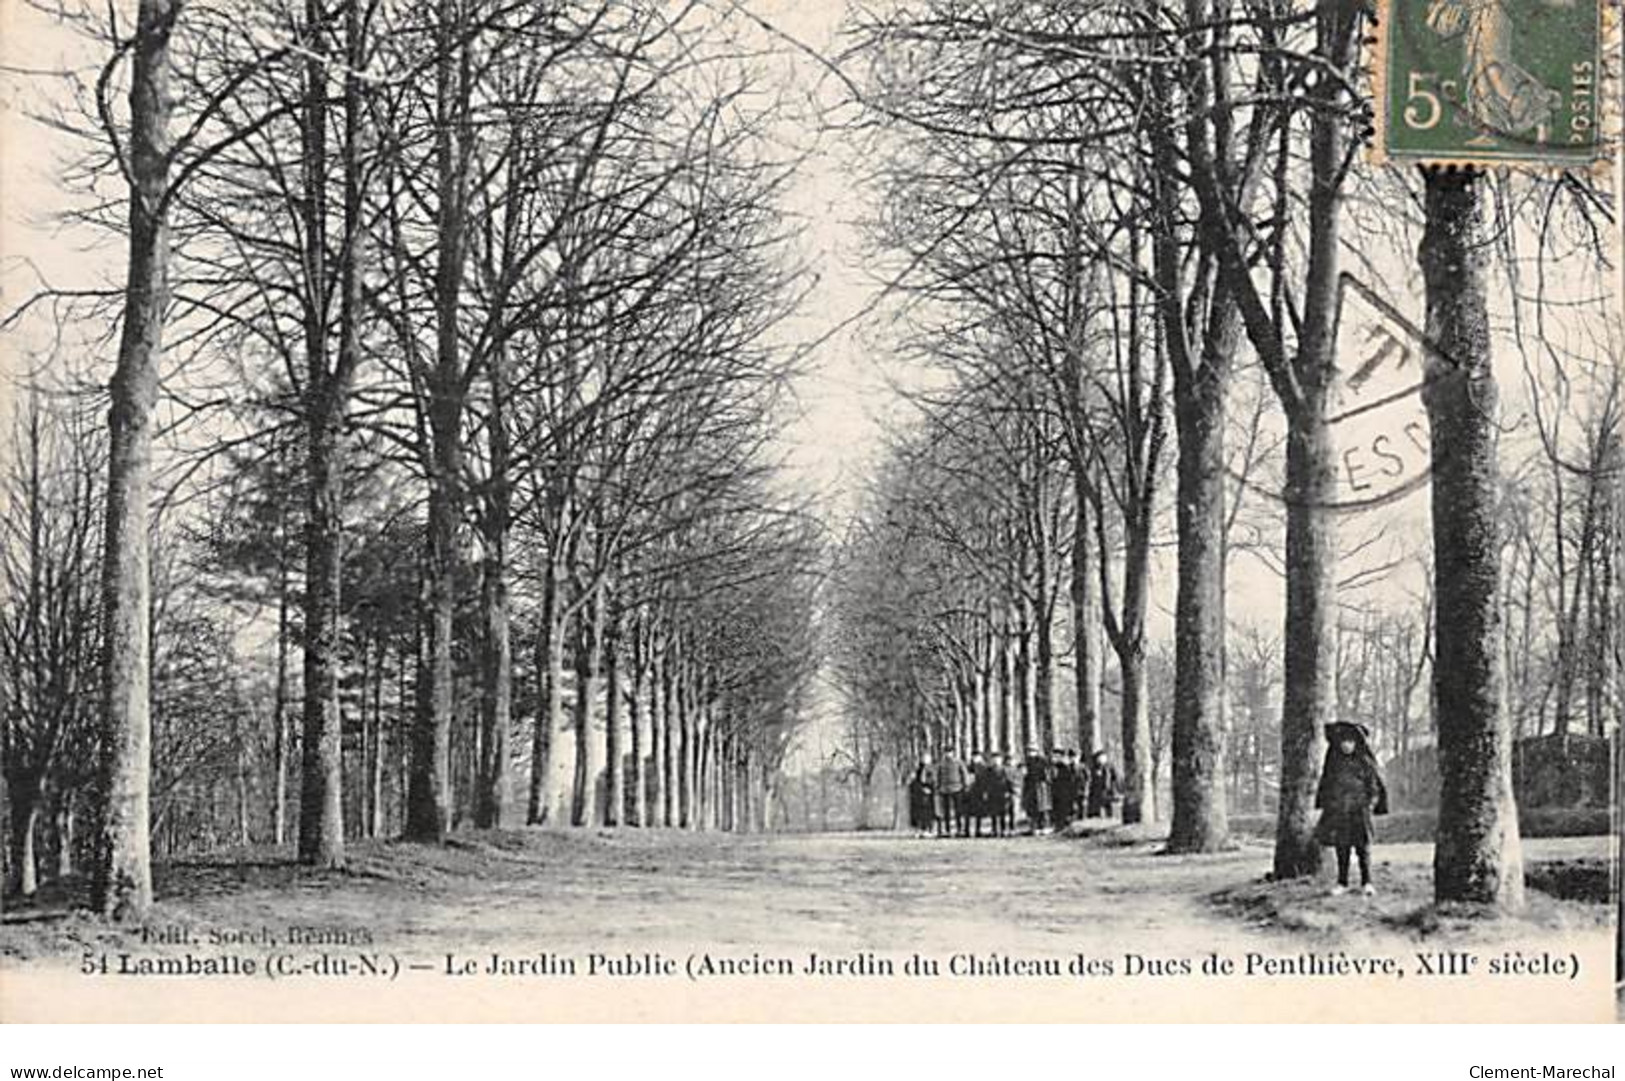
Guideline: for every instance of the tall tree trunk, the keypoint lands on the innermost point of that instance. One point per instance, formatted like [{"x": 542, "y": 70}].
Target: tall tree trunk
[
  {"x": 429, "y": 803},
  {"x": 1085, "y": 622},
  {"x": 614, "y": 714},
  {"x": 658, "y": 813},
  {"x": 1006, "y": 676},
  {"x": 1478, "y": 856},
  {"x": 704, "y": 788},
  {"x": 1139, "y": 780},
  {"x": 702, "y": 735},
  {"x": 978, "y": 709},
  {"x": 1619, "y": 856},
  {"x": 1308, "y": 701},
  {"x": 123, "y": 879},
  {"x": 1200, "y": 823},
  {"x": 27, "y": 852},
  {"x": 1043, "y": 638},
  {"x": 1139, "y": 770},
  {"x": 428, "y": 798},
  {"x": 1257, "y": 701},
  {"x": 1024, "y": 680},
  {"x": 551, "y": 633},
  {"x": 665, "y": 691},
  {"x": 244, "y": 822},
  {"x": 7, "y": 858},
  {"x": 361, "y": 785},
  {"x": 24, "y": 819},
  {"x": 1595, "y": 638},
  {"x": 321, "y": 811},
  {"x": 64, "y": 837},
  {"x": 280, "y": 733},
  {"x": 494, "y": 791},
  {"x": 685, "y": 742},
  {"x": 428, "y": 811},
  {"x": 375, "y": 773},
  {"x": 584, "y": 802},
  {"x": 420, "y": 695},
  {"x": 725, "y": 784},
  {"x": 960, "y": 738},
  {"x": 1310, "y": 674},
  {"x": 1616, "y": 655},
  {"x": 1571, "y": 639},
  {"x": 638, "y": 813},
  {"x": 985, "y": 674}
]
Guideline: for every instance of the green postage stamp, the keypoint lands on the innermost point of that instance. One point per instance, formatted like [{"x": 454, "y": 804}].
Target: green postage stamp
[{"x": 1491, "y": 82}]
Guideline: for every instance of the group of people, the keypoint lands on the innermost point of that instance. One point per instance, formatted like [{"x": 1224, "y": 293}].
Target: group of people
[{"x": 952, "y": 797}]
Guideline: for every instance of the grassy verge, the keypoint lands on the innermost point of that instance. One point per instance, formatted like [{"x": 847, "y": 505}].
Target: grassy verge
[
  {"x": 1412, "y": 825},
  {"x": 1404, "y": 905}
]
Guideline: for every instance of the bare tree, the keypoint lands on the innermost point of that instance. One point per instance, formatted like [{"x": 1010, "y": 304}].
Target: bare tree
[
  {"x": 49, "y": 648},
  {"x": 123, "y": 882}
]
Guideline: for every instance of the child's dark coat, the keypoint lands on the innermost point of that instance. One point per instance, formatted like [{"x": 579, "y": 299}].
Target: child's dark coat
[{"x": 1350, "y": 792}]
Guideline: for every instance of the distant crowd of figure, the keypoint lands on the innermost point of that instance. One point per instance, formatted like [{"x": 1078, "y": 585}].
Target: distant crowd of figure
[{"x": 951, "y": 797}]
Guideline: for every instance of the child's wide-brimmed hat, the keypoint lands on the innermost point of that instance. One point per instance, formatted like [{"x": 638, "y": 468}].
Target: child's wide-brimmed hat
[{"x": 1338, "y": 731}]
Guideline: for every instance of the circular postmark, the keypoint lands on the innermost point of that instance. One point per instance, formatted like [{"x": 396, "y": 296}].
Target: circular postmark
[{"x": 1377, "y": 419}]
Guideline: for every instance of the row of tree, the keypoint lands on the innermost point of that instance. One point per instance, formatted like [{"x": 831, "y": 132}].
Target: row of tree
[
  {"x": 1119, "y": 224},
  {"x": 460, "y": 316}
]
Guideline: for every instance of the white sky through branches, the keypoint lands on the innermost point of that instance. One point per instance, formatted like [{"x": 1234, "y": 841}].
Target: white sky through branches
[{"x": 833, "y": 428}]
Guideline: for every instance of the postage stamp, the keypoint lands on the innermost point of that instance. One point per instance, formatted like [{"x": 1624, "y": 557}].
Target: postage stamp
[{"x": 1492, "y": 82}]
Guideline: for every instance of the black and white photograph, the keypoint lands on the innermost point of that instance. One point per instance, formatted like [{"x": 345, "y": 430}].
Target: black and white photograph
[{"x": 811, "y": 510}]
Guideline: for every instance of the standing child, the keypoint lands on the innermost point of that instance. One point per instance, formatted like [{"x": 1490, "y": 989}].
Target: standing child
[{"x": 1351, "y": 791}]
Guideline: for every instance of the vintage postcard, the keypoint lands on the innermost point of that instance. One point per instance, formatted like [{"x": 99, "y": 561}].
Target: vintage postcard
[{"x": 739, "y": 510}]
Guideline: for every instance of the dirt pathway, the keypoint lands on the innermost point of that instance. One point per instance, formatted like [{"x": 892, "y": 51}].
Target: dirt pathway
[
  {"x": 1107, "y": 900},
  {"x": 648, "y": 889}
]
